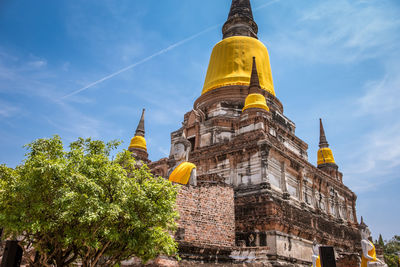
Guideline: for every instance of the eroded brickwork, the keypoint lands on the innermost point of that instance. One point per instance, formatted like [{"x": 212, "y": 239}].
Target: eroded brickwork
[
  {"x": 348, "y": 260},
  {"x": 264, "y": 211},
  {"x": 206, "y": 215}
]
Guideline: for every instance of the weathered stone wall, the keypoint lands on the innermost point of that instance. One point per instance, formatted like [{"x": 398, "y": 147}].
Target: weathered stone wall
[
  {"x": 206, "y": 215},
  {"x": 348, "y": 260},
  {"x": 263, "y": 211}
]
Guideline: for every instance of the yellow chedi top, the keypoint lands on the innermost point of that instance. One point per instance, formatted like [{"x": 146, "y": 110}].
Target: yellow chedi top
[
  {"x": 231, "y": 63},
  {"x": 255, "y": 101},
  {"x": 325, "y": 155},
  {"x": 138, "y": 142}
]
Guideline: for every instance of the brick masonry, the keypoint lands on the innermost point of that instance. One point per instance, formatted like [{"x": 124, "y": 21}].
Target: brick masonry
[{"x": 206, "y": 215}]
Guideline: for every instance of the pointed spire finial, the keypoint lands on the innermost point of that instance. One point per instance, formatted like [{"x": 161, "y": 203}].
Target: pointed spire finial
[
  {"x": 240, "y": 20},
  {"x": 140, "y": 128},
  {"x": 254, "y": 79},
  {"x": 242, "y": 8},
  {"x": 362, "y": 224},
  {"x": 322, "y": 138}
]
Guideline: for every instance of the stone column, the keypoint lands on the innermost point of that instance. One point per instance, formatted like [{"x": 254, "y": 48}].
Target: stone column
[
  {"x": 257, "y": 238},
  {"x": 346, "y": 203},
  {"x": 313, "y": 199},
  {"x": 337, "y": 203},
  {"x": 327, "y": 202},
  {"x": 286, "y": 194},
  {"x": 264, "y": 149},
  {"x": 197, "y": 138},
  {"x": 330, "y": 201},
  {"x": 301, "y": 185},
  {"x": 354, "y": 211},
  {"x": 233, "y": 177}
]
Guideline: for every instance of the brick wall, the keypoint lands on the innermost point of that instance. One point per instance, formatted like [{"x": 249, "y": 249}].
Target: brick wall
[{"x": 206, "y": 215}]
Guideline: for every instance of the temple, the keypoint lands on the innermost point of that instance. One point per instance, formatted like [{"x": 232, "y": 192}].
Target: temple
[{"x": 258, "y": 199}]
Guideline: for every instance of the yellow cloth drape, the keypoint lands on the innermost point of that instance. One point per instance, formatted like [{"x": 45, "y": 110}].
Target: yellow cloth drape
[
  {"x": 371, "y": 253},
  {"x": 138, "y": 142},
  {"x": 181, "y": 173},
  {"x": 325, "y": 155},
  {"x": 255, "y": 101},
  {"x": 231, "y": 64}
]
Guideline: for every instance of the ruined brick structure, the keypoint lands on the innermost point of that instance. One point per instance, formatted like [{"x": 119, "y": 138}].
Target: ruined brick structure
[
  {"x": 272, "y": 202},
  {"x": 207, "y": 215}
]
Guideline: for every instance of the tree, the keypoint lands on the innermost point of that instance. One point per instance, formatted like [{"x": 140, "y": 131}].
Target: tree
[
  {"x": 381, "y": 242},
  {"x": 392, "y": 247},
  {"x": 80, "y": 205}
]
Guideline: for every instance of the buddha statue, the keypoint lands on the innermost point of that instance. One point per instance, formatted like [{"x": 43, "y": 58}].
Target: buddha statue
[
  {"x": 368, "y": 258},
  {"x": 316, "y": 260},
  {"x": 182, "y": 172}
]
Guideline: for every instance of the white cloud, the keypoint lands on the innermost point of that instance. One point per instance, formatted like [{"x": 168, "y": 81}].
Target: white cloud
[
  {"x": 66, "y": 66},
  {"x": 77, "y": 123},
  {"x": 376, "y": 162},
  {"x": 28, "y": 79},
  {"x": 8, "y": 110},
  {"x": 375, "y": 159},
  {"x": 341, "y": 31},
  {"x": 37, "y": 63},
  {"x": 381, "y": 96}
]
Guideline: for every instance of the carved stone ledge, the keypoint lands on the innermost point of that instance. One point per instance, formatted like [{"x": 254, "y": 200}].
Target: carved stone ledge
[{"x": 286, "y": 195}]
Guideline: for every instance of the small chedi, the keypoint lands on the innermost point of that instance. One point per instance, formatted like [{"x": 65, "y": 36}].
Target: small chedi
[
  {"x": 251, "y": 196},
  {"x": 138, "y": 145}
]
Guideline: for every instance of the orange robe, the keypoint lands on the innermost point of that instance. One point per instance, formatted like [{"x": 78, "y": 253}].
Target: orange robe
[
  {"x": 181, "y": 174},
  {"x": 318, "y": 262},
  {"x": 371, "y": 253}
]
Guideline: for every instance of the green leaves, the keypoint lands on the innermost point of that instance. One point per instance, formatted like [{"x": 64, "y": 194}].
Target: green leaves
[
  {"x": 79, "y": 203},
  {"x": 391, "y": 250}
]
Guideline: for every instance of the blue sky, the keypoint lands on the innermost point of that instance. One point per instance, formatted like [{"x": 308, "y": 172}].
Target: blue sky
[{"x": 339, "y": 60}]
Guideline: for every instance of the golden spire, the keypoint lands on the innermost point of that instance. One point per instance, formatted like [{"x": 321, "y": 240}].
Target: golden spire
[
  {"x": 255, "y": 99},
  {"x": 325, "y": 155},
  {"x": 138, "y": 141}
]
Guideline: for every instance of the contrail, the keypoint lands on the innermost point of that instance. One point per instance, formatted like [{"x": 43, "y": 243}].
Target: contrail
[
  {"x": 265, "y": 5},
  {"x": 155, "y": 55},
  {"x": 141, "y": 61}
]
